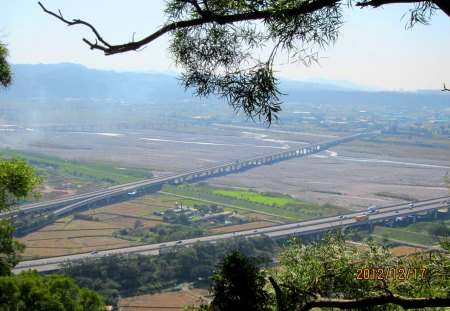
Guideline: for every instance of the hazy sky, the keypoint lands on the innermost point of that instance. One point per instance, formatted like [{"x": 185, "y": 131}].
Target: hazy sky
[{"x": 374, "y": 48}]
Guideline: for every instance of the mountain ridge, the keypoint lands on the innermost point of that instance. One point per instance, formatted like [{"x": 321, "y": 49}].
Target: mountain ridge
[{"x": 68, "y": 80}]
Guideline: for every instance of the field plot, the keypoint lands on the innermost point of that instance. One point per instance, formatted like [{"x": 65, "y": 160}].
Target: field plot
[
  {"x": 54, "y": 226},
  {"x": 50, "y": 248},
  {"x": 155, "y": 201},
  {"x": 128, "y": 222},
  {"x": 403, "y": 235},
  {"x": 100, "y": 216},
  {"x": 78, "y": 224},
  {"x": 405, "y": 250},
  {"x": 124, "y": 209},
  {"x": 246, "y": 226},
  {"x": 258, "y": 216},
  {"x": 58, "y": 243},
  {"x": 163, "y": 301},
  {"x": 257, "y": 197},
  {"x": 63, "y": 234}
]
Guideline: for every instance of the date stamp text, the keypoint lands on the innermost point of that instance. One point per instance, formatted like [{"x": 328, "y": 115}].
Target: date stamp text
[{"x": 390, "y": 274}]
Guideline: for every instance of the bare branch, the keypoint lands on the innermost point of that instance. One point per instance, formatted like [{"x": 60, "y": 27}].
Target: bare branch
[
  {"x": 80, "y": 22},
  {"x": 108, "y": 49},
  {"x": 404, "y": 302}
]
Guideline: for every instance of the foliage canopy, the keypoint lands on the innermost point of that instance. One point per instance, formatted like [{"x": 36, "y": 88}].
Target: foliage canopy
[
  {"x": 227, "y": 48},
  {"x": 334, "y": 273},
  {"x": 30, "y": 291},
  {"x": 17, "y": 181},
  {"x": 5, "y": 69}
]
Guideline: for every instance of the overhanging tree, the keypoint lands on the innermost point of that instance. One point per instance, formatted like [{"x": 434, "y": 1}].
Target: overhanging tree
[
  {"x": 17, "y": 181},
  {"x": 218, "y": 43},
  {"x": 5, "y": 69}
]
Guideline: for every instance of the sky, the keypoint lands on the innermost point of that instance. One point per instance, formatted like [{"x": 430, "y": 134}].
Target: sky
[{"x": 373, "y": 49}]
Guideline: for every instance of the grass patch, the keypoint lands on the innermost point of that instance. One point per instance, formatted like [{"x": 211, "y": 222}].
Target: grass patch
[
  {"x": 256, "y": 197},
  {"x": 404, "y": 235},
  {"x": 90, "y": 171}
]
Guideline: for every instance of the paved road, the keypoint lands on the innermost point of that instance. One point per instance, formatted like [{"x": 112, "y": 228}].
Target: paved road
[{"x": 298, "y": 228}]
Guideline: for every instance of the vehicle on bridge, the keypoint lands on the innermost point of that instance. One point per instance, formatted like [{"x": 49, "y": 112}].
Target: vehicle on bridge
[
  {"x": 373, "y": 210},
  {"x": 361, "y": 217}
]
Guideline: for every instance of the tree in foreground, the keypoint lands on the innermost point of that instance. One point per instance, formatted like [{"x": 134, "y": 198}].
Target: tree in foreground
[
  {"x": 30, "y": 291},
  {"x": 238, "y": 284},
  {"x": 17, "y": 181},
  {"x": 335, "y": 274},
  {"x": 219, "y": 43},
  {"x": 5, "y": 69}
]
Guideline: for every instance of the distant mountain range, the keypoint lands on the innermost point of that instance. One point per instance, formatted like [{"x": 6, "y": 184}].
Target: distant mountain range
[{"x": 76, "y": 81}]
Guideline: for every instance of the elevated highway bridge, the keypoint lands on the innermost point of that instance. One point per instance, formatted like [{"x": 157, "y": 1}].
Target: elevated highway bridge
[
  {"x": 67, "y": 204},
  {"x": 305, "y": 228}
]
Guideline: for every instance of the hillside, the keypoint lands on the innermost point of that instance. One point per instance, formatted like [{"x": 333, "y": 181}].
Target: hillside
[{"x": 67, "y": 80}]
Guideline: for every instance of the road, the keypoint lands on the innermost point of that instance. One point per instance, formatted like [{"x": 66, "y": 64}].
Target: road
[{"x": 298, "y": 228}]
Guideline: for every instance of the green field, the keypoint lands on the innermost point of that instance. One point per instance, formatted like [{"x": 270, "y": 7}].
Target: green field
[
  {"x": 53, "y": 167},
  {"x": 257, "y": 197},
  {"x": 280, "y": 207},
  {"x": 405, "y": 235}
]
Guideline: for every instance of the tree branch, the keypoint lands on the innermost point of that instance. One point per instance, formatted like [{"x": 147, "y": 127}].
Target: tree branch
[
  {"x": 377, "y": 3},
  {"x": 278, "y": 294},
  {"x": 404, "y": 302},
  {"x": 444, "y": 5},
  {"x": 445, "y": 89},
  {"x": 78, "y": 22},
  {"x": 209, "y": 17}
]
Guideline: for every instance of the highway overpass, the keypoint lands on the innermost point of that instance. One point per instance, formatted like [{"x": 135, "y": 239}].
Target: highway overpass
[{"x": 310, "y": 227}]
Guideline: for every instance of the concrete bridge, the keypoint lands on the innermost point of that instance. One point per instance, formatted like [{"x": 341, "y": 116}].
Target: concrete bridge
[{"x": 123, "y": 192}]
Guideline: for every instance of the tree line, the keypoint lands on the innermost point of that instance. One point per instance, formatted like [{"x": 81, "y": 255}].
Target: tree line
[{"x": 129, "y": 275}]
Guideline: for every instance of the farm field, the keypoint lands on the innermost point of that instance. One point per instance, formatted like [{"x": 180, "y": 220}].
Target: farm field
[
  {"x": 246, "y": 226},
  {"x": 67, "y": 177},
  {"x": 103, "y": 172},
  {"x": 71, "y": 243},
  {"x": 69, "y": 235},
  {"x": 397, "y": 234},
  {"x": 129, "y": 208},
  {"x": 280, "y": 207},
  {"x": 405, "y": 250},
  {"x": 174, "y": 300}
]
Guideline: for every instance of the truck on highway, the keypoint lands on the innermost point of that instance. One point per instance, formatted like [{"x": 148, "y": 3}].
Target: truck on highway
[{"x": 361, "y": 217}]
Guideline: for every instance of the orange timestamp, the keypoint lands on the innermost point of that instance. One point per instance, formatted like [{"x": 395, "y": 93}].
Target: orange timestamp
[{"x": 390, "y": 274}]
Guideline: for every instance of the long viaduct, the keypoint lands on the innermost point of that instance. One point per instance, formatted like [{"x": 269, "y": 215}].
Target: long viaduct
[{"x": 122, "y": 192}]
